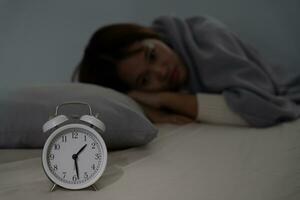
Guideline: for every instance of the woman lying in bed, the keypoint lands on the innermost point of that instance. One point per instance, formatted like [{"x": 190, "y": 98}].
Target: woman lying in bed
[{"x": 185, "y": 70}]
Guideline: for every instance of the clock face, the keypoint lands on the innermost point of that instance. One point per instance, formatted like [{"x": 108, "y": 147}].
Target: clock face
[{"x": 74, "y": 156}]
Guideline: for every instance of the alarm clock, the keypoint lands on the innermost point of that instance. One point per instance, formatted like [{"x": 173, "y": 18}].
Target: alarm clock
[{"x": 74, "y": 155}]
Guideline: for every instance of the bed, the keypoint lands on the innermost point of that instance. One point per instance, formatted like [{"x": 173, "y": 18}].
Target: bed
[{"x": 193, "y": 161}]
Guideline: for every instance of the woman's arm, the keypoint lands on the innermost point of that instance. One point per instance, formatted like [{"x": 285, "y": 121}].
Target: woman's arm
[
  {"x": 159, "y": 116},
  {"x": 185, "y": 104},
  {"x": 180, "y": 103},
  {"x": 210, "y": 108}
]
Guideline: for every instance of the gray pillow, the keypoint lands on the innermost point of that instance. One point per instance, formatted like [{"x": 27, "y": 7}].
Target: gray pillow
[{"x": 25, "y": 110}]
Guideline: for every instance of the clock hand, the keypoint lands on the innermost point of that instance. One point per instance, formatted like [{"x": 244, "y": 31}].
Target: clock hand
[
  {"x": 80, "y": 150},
  {"x": 75, "y": 156},
  {"x": 76, "y": 167}
]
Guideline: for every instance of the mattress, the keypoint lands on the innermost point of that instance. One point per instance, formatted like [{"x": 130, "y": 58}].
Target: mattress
[{"x": 194, "y": 161}]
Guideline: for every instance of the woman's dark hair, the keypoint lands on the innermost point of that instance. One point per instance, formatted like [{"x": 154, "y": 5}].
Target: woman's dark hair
[{"x": 106, "y": 48}]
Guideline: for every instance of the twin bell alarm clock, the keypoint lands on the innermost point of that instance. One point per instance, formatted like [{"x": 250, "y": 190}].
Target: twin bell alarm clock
[{"x": 74, "y": 155}]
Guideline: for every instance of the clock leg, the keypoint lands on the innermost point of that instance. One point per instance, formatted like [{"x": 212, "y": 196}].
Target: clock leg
[
  {"x": 52, "y": 188},
  {"x": 94, "y": 187}
]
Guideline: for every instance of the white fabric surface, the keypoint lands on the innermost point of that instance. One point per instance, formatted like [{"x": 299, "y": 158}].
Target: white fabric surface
[
  {"x": 191, "y": 162},
  {"x": 213, "y": 108}
]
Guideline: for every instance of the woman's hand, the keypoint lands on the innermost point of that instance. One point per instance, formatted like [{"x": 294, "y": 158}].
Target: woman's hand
[
  {"x": 175, "y": 102},
  {"x": 152, "y": 99},
  {"x": 158, "y": 116}
]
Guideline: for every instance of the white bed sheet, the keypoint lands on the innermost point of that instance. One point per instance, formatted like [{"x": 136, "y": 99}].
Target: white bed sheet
[{"x": 195, "y": 161}]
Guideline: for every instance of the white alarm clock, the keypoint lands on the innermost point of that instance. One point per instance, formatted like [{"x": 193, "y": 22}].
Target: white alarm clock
[{"x": 74, "y": 155}]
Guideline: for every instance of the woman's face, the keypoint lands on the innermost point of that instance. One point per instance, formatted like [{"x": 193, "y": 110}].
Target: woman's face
[{"x": 156, "y": 67}]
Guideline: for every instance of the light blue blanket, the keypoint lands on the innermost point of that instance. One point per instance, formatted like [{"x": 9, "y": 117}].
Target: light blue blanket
[{"x": 220, "y": 62}]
